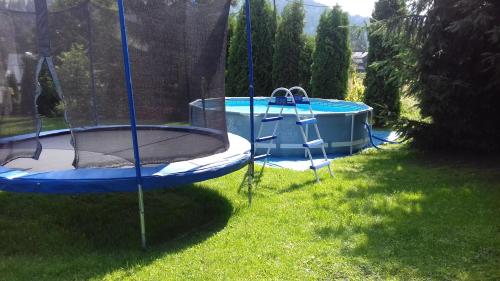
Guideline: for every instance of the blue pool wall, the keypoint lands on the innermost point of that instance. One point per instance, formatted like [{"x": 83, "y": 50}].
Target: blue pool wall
[{"x": 334, "y": 127}]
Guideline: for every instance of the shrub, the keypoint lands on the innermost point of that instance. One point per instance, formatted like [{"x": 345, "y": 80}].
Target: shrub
[{"x": 356, "y": 88}]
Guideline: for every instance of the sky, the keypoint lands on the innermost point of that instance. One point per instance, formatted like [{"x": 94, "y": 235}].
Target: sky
[{"x": 353, "y": 7}]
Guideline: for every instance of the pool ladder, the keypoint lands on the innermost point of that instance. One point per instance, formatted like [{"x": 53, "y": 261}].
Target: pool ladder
[{"x": 290, "y": 100}]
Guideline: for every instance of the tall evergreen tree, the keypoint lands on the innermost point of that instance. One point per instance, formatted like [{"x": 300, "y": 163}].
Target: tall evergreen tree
[
  {"x": 450, "y": 60},
  {"x": 231, "y": 26},
  {"x": 289, "y": 46},
  {"x": 459, "y": 67},
  {"x": 382, "y": 93},
  {"x": 263, "y": 30},
  {"x": 305, "y": 63},
  {"x": 332, "y": 56}
]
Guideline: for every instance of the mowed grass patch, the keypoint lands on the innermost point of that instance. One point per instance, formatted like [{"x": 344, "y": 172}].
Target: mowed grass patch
[{"x": 389, "y": 214}]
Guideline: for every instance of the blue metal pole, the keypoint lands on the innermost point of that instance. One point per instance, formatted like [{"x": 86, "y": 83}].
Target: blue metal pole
[
  {"x": 133, "y": 123},
  {"x": 251, "y": 94}
]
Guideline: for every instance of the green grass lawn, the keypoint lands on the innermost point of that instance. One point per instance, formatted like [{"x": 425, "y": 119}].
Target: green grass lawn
[
  {"x": 54, "y": 123},
  {"x": 21, "y": 125},
  {"x": 391, "y": 214}
]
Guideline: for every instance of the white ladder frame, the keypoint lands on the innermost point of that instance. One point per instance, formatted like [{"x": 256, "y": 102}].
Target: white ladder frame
[{"x": 305, "y": 135}]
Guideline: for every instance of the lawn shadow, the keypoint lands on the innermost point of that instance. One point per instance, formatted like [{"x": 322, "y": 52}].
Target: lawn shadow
[
  {"x": 258, "y": 175},
  {"x": 37, "y": 231},
  {"x": 435, "y": 220}
]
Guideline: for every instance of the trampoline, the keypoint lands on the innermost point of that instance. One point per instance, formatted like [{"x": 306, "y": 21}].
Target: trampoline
[
  {"x": 124, "y": 73},
  {"x": 53, "y": 172}
]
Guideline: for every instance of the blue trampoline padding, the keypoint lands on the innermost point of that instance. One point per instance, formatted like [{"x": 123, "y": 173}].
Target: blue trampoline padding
[
  {"x": 3, "y": 169},
  {"x": 96, "y": 180}
]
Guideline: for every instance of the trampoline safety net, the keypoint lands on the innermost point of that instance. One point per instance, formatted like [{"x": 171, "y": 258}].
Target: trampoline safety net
[{"x": 177, "y": 56}]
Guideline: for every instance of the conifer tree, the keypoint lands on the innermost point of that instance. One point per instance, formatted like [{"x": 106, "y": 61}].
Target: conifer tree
[
  {"x": 289, "y": 46},
  {"x": 305, "y": 63},
  {"x": 332, "y": 56},
  {"x": 263, "y": 31},
  {"x": 382, "y": 92}
]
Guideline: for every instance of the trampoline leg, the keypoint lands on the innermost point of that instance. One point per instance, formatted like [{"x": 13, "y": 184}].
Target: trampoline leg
[
  {"x": 250, "y": 181},
  {"x": 141, "y": 216}
]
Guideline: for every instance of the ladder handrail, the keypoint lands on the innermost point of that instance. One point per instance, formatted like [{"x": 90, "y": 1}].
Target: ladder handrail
[
  {"x": 268, "y": 107},
  {"x": 310, "y": 107},
  {"x": 304, "y": 137},
  {"x": 305, "y": 95},
  {"x": 288, "y": 92},
  {"x": 300, "y": 89}
]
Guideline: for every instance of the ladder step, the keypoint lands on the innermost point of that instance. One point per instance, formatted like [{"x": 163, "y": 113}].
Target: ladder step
[
  {"x": 267, "y": 138},
  {"x": 262, "y": 156},
  {"x": 320, "y": 165},
  {"x": 282, "y": 104},
  {"x": 313, "y": 144},
  {"x": 307, "y": 121},
  {"x": 301, "y": 100},
  {"x": 270, "y": 119}
]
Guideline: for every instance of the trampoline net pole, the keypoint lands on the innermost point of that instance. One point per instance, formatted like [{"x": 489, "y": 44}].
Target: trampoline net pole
[
  {"x": 133, "y": 126},
  {"x": 251, "y": 95}
]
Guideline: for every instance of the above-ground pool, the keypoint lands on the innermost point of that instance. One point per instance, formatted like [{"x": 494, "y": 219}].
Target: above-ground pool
[{"x": 340, "y": 123}]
